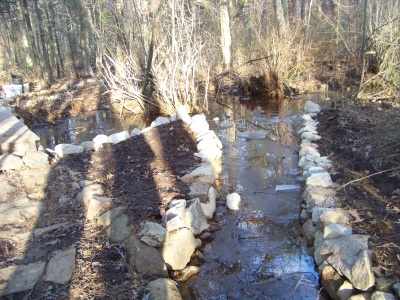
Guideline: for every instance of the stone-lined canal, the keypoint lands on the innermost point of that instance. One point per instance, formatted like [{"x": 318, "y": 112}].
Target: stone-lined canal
[{"x": 259, "y": 253}]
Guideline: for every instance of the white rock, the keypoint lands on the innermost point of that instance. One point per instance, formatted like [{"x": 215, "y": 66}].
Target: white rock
[
  {"x": 253, "y": 135},
  {"x": 119, "y": 137},
  {"x": 204, "y": 173},
  {"x": 310, "y": 136},
  {"x": 287, "y": 187},
  {"x": 101, "y": 139},
  {"x": 199, "y": 118},
  {"x": 195, "y": 218},
  {"x": 318, "y": 197},
  {"x": 212, "y": 153},
  {"x": 233, "y": 201},
  {"x": 183, "y": 115},
  {"x": 323, "y": 180},
  {"x": 153, "y": 234},
  {"x": 35, "y": 159},
  {"x": 160, "y": 121},
  {"x": 309, "y": 150},
  {"x": 311, "y": 107},
  {"x": 89, "y": 191},
  {"x": 10, "y": 162},
  {"x": 334, "y": 231},
  {"x": 65, "y": 149},
  {"x": 210, "y": 206},
  {"x": 61, "y": 266},
  {"x": 136, "y": 132},
  {"x": 175, "y": 223},
  {"x": 97, "y": 206},
  {"x": 197, "y": 127},
  {"x": 162, "y": 289},
  {"x": 178, "y": 247},
  {"x": 177, "y": 208},
  {"x": 382, "y": 296}
]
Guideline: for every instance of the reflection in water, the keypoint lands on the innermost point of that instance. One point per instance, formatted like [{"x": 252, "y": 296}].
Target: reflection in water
[
  {"x": 78, "y": 129},
  {"x": 259, "y": 253}
]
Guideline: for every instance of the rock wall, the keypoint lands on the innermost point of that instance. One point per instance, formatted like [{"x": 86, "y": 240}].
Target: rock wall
[{"x": 343, "y": 258}]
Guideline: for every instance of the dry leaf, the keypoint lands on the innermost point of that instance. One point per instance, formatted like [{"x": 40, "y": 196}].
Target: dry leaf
[{"x": 355, "y": 215}]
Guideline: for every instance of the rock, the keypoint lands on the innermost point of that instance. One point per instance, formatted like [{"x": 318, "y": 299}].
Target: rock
[
  {"x": 108, "y": 217},
  {"x": 162, "y": 289},
  {"x": 160, "y": 121},
  {"x": 334, "y": 231},
  {"x": 287, "y": 188},
  {"x": 89, "y": 191},
  {"x": 183, "y": 115},
  {"x": 310, "y": 136},
  {"x": 19, "y": 278},
  {"x": 32, "y": 178},
  {"x": 396, "y": 289},
  {"x": 187, "y": 273},
  {"x": 119, "y": 137},
  {"x": 207, "y": 154},
  {"x": 313, "y": 170},
  {"x": 334, "y": 216},
  {"x": 61, "y": 266},
  {"x": 210, "y": 206},
  {"x": 175, "y": 223},
  {"x": 207, "y": 144},
  {"x": 38, "y": 232},
  {"x": 318, "y": 197},
  {"x": 20, "y": 211},
  {"x": 195, "y": 218},
  {"x": 199, "y": 190},
  {"x": 66, "y": 149},
  {"x": 345, "y": 291},
  {"x": 205, "y": 173},
  {"x": 145, "y": 259},
  {"x": 322, "y": 180},
  {"x": 350, "y": 256},
  {"x": 233, "y": 201},
  {"x": 177, "y": 207},
  {"x": 10, "y": 162},
  {"x": 97, "y": 206},
  {"x": 382, "y": 296},
  {"x": 209, "y": 135},
  {"x": 35, "y": 159},
  {"x": 63, "y": 199},
  {"x": 331, "y": 280},
  {"x": 6, "y": 191},
  {"x": 101, "y": 139},
  {"x": 178, "y": 247},
  {"x": 362, "y": 296},
  {"x": 309, "y": 231},
  {"x": 318, "y": 256},
  {"x": 384, "y": 284},
  {"x": 253, "y": 135},
  {"x": 135, "y": 132},
  {"x": 153, "y": 234},
  {"x": 87, "y": 145},
  {"x": 120, "y": 229},
  {"x": 311, "y": 107}
]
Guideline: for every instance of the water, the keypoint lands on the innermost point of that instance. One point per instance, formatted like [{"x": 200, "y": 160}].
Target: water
[{"x": 74, "y": 130}]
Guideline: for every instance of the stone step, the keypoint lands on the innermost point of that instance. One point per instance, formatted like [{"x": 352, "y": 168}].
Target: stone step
[{"x": 14, "y": 135}]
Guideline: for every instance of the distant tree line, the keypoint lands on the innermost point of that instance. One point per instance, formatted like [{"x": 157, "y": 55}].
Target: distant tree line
[{"x": 159, "y": 52}]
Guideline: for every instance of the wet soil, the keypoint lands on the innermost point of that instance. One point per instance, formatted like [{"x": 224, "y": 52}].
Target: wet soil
[{"x": 363, "y": 140}]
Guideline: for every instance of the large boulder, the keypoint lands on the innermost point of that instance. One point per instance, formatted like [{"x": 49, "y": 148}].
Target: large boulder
[
  {"x": 61, "y": 266},
  {"x": 10, "y": 162},
  {"x": 20, "y": 211},
  {"x": 178, "y": 247},
  {"x": 35, "y": 159},
  {"x": 145, "y": 259}
]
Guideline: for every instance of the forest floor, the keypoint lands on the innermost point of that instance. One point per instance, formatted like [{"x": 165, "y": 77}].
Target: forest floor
[{"x": 363, "y": 140}]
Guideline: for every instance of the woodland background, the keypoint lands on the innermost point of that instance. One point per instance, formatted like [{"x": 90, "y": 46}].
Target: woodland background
[{"x": 167, "y": 53}]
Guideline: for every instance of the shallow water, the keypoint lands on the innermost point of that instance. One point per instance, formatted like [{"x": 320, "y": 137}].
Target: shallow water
[{"x": 259, "y": 253}]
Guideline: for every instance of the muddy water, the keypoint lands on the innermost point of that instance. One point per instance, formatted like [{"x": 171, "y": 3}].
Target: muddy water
[{"x": 259, "y": 253}]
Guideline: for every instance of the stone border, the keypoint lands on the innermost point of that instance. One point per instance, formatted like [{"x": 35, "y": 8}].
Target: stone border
[{"x": 343, "y": 258}]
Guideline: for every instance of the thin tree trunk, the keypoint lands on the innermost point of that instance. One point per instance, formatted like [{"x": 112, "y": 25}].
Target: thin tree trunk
[
  {"x": 56, "y": 44},
  {"x": 84, "y": 40},
  {"x": 363, "y": 47},
  {"x": 47, "y": 74},
  {"x": 226, "y": 39}
]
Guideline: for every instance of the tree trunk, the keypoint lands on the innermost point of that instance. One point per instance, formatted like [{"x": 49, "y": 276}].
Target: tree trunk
[
  {"x": 56, "y": 44},
  {"x": 226, "y": 40},
  {"x": 280, "y": 18},
  {"x": 47, "y": 74},
  {"x": 84, "y": 40},
  {"x": 37, "y": 66}
]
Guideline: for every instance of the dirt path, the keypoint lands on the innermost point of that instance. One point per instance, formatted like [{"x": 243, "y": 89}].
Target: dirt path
[{"x": 364, "y": 143}]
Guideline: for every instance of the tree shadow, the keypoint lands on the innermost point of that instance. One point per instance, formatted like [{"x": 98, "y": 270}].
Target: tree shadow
[{"x": 140, "y": 175}]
